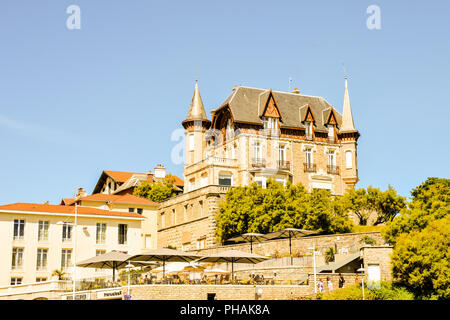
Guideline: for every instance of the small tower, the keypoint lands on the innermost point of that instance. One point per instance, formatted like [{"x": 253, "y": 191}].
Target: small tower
[
  {"x": 196, "y": 124},
  {"x": 349, "y": 136}
]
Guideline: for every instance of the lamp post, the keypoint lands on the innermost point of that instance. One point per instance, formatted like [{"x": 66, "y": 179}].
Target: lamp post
[
  {"x": 362, "y": 279},
  {"x": 314, "y": 267},
  {"x": 74, "y": 252},
  {"x": 129, "y": 266}
]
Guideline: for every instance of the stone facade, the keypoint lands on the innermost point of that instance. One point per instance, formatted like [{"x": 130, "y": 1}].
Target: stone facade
[
  {"x": 223, "y": 292},
  {"x": 378, "y": 256},
  {"x": 187, "y": 221}
]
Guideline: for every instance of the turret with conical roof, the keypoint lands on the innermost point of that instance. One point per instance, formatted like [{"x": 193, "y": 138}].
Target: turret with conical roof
[
  {"x": 196, "y": 109},
  {"x": 196, "y": 125},
  {"x": 347, "y": 117},
  {"x": 349, "y": 136}
]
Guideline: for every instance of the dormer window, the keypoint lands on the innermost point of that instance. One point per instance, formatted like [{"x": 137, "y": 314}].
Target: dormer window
[
  {"x": 331, "y": 133},
  {"x": 230, "y": 129},
  {"x": 308, "y": 131},
  {"x": 270, "y": 123}
]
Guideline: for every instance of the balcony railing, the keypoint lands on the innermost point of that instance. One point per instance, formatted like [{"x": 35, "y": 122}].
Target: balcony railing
[
  {"x": 333, "y": 169},
  {"x": 285, "y": 165},
  {"x": 309, "y": 167},
  {"x": 258, "y": 162}
]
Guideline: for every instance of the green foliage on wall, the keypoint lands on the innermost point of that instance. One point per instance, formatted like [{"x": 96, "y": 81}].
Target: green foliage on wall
[{"x": 156, "y": 191}]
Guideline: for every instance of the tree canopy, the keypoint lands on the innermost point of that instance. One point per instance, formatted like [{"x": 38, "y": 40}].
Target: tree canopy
[
  {"x": 156, "y": 191},
  {"x": 421, "y": 238},
  {"x": 364, "y": 202},
  {"x": 263, "y": 210}
]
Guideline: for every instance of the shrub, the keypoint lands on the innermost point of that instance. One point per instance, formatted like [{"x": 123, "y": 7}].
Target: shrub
[
  {"x": 368, "y": 240},
  {"x": 386, "y": 291}
]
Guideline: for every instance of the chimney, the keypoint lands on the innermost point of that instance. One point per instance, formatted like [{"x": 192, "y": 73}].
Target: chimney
[
  {"x": 81, "y": 193},
  {"x": 296, "y": 91},
  {"x": 160, "y": 171}
]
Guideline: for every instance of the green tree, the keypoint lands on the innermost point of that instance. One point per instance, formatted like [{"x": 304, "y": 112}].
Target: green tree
[
  {"x": 59, "y": 273},
  {"x": 364, "y": 202},
  {"x": 430, "y": 201},
  {"x": 263, "y": 210},
  {"x": 156, "y": 191},
  {"x": 421, "y": 260},
  {"x": 421, "y": 235}
]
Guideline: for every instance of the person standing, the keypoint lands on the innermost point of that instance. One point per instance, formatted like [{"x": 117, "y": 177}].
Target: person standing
[
  {"x": 330, "y": 284},
  {"x": 341, "y": 281},
  {"x": 320, "y": 285}
]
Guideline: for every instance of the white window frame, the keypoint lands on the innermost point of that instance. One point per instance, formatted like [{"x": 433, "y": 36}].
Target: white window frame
[
  {"x": 331, "y": 158},
  {"x": 43, "y": 226},
  {"x": 67, "y": 232},
  {"x": 191, "y": 142},
  {"x": 66, "y": 258},
  {"x": 41, "y": 259},
  {"x": 348, "y": 159},
  {"x": 100, "y": 234},
  {"x": 309, "y": 151},
  {"x": 17, "y": 258},
  {"x": 124, "y": 237},
  {"x": 19, "y": 229}
]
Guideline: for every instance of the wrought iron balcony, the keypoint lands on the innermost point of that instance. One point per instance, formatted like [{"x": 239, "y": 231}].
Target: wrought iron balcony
[
  {"x": 285, "y": 165},
  {"x": 258, "y": 162},
  {"x": 309, "y": 167},
  {"x": 333, "y": 169}
]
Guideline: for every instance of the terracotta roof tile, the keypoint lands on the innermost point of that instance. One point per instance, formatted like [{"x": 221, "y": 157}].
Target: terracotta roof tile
[
  {"x": 126, "y": 198},
  {"x": 50, "y": 208}
]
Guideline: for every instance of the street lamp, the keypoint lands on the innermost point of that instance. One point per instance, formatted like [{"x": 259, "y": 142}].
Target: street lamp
[
  {"x": 362, "y": 279},
  {"x": 129, "y": 266},
  {"x": 314, "y": 266}
]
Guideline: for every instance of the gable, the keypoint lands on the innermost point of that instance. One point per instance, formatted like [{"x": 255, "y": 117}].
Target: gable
[{"x": 271, "y": 109}]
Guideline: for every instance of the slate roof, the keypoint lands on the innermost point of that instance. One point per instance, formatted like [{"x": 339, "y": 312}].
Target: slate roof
[{"x": 247, "y": 104}]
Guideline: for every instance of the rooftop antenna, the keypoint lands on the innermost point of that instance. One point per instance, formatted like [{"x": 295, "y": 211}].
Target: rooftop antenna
[{"x": 290, "y": 80}]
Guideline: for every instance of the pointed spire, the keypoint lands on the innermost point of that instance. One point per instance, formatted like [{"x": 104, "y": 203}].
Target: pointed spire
[
  {"x": 347, "y": 117},
  {"x": 196, "y": 109}
]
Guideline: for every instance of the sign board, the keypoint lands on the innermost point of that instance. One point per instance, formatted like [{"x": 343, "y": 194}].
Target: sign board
[{"x": 110, "y": 294}]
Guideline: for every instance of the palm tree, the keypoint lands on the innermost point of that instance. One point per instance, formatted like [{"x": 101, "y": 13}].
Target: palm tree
[
  {"x": 329, "y": 255},
  {"x": 59, "y": 273}
]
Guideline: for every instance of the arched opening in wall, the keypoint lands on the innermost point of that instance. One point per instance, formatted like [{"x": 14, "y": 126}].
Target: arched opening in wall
[{"x": 41, "y": 298}]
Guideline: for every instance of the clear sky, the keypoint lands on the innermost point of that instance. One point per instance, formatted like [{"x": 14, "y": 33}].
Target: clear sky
[{"x": 109, "y": 95}]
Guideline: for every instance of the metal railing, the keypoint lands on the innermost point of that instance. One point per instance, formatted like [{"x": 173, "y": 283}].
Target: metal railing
[
  {"x": 332, "y": 169},
  {"x": 309, "y": 167},
  {"x": 285, "y": 165},
  {"x": 258, "y": 162}
]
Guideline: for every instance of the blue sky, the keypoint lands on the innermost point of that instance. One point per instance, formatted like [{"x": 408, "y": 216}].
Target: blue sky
[{"x": 108, "y": 96}]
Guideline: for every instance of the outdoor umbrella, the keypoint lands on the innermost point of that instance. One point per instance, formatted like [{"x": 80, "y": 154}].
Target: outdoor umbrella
[
  {"x": 233, "y": 256},
  {"x": 165, "y": 255},
  {"x": 110, "y": 260},
  {"x": 289, "y": 233},
  {"x": 249, "y": 237}
]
